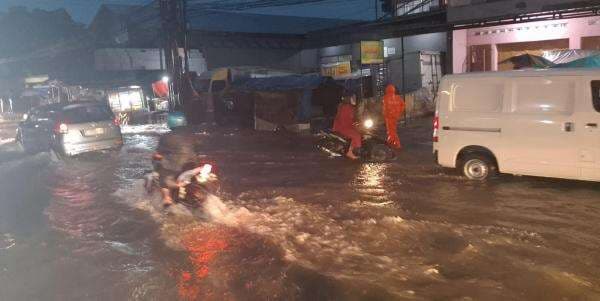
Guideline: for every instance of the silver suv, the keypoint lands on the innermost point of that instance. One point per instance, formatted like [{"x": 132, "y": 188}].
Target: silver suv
[{"x": 70, "y": 129}]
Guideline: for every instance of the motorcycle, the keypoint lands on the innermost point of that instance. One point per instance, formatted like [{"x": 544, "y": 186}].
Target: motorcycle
[
  {"x": 374, "y": 148},
  {"x": 192, "y": 186}
]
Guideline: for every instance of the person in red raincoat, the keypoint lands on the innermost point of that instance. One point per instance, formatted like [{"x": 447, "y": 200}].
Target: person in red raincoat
[
  {"x": 393, "y": 109},
  {"x": 344, "y": 124}
]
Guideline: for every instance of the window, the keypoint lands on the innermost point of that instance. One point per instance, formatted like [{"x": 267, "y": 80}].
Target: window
[
  {"x": 82, "y": 114},
  {"x": 484, "y": 96},
  {"x": 596, "y": 94},
  {"x": 44, "y": 116},
  {"x": 544, "y": 95}
]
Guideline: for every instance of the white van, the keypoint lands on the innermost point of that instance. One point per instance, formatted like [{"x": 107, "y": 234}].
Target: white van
[{"x": 539, "y": 123}]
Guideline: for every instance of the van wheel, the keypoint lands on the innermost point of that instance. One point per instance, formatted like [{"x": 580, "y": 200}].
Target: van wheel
[
  {"x": 27, "y": 148},
  {"x": 477, "y": 167}
]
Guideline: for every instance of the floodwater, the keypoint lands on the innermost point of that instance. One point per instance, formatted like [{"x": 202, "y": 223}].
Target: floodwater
[{"x": 291, "y": 224}]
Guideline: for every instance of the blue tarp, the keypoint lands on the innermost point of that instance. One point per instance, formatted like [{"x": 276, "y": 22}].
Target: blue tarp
[
  {"x": 280, "y": 83},
  {"x": 586, "y": 62}
]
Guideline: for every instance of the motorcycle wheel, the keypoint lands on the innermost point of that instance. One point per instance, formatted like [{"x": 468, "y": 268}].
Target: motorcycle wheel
[{"x": 331, "y": 146}]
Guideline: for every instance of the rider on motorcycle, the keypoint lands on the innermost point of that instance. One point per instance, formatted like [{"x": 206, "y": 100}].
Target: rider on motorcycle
[
  {"x": 168, "y": 183},
  {"x": 191, "y": 185},
  {"x": 345, "y": 124}
]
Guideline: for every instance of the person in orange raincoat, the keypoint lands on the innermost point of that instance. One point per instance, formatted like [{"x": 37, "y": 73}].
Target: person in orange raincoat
[
  {"x": 393, "y": 109},
  {"x": 345, "y": 124}
]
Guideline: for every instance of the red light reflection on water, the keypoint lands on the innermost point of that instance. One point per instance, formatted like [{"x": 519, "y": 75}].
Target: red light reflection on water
[{"x": 204, "y": 246}]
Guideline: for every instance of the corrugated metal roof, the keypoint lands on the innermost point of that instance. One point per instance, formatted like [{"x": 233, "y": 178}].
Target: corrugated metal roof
[
  {"x": 122, "y": 10},
  {"x": 281, "y": 83},
  {"x": 220, "y": 21},
  {"x": 232, "y": 22}
]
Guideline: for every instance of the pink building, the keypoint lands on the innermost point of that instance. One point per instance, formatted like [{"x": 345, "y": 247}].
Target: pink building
[{"x": 484, "y": 49}]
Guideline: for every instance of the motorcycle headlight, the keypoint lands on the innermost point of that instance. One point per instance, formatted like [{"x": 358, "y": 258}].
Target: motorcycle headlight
[
  {"x": 368, "y": 123},
  {"x": 206, "y": 170}
]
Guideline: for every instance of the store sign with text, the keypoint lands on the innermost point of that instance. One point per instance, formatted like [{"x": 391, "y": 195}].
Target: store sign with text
[
  {"x": 336, "y": 69},
  {"x": 371, "y": 52}
]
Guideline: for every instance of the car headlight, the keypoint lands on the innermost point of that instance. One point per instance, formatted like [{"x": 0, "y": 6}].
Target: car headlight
[{"x": 368, "y": 123}]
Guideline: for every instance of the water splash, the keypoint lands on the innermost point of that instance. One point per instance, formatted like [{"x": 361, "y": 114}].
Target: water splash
[
  {"x": 7, "y": 241},
  {"x": 145, "y": 129},
  {"x": 6, "y": 140}
]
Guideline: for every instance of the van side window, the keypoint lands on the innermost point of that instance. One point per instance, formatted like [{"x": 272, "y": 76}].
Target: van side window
[
  {"x": 544, "y": 95},
  {"x": 483, "y": 96},
  {"x": 596, "y": 94}
]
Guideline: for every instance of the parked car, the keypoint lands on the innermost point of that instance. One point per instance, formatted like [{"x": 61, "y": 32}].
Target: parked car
[
  {"x": 538, "y": 123},
  {"x": 70, "y": 129}
]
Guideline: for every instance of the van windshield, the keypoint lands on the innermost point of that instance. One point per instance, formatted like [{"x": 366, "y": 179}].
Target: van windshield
[{"x": 83, "y": 114}]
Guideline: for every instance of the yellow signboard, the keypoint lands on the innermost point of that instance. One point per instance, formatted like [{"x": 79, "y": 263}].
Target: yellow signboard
[
  {"x": 371, "y": 52},
  {"x": 336, "y": 69}
]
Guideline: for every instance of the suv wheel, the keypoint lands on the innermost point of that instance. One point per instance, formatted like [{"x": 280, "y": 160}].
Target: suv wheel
[
  {"x": 477, "y": 167},
  {"x": 26, "y": 148}
]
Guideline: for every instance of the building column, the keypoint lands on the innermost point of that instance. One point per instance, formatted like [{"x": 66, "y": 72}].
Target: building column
[
  {"x": 449, "y": 53},
  {"x": 459, "y": 51},
  {"x": 494, "y": 55},
  {"x": 575, "y": 42}
]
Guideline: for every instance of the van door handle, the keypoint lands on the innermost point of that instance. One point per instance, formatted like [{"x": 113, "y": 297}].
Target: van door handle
[
  {"x": 568, "y": 126},
  {"x": 591, "y": 125}
]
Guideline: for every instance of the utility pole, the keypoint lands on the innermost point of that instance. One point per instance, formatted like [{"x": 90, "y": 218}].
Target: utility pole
[
  {"x": 186, "y": 37},
  {"x": 174, "y": 27}
]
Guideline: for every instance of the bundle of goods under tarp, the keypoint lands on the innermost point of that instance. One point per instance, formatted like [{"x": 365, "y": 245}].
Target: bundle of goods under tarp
[
  {"x": 287, "y": 100},
  {"x": 586, "y": 62},
  {"x": 569, "y": 58},
  {"x": 277, "y": 108}
]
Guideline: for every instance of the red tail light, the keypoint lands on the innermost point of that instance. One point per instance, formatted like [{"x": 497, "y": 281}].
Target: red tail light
[
  {"x": 157, "y": 157},
  {"x": 436, "y": 127},
  {"x": 61, "y": 127}
]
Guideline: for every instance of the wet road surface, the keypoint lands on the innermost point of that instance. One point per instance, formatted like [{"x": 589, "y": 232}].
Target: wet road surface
[{"x": 291, "y": 224}]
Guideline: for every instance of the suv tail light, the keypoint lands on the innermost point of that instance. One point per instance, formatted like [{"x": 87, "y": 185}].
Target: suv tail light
[
  {"x": 61, "y": 127},
  {"x": 436, "y": 127}
]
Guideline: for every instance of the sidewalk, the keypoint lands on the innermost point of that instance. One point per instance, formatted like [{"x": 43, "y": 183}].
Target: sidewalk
[{"x": 8, "y": 130}]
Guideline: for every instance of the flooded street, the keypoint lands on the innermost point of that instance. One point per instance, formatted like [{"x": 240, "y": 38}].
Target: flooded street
[{"x": 291, "y": 224}]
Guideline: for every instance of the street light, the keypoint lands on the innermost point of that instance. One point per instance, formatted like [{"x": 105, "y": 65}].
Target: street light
[{"x": 165, "y": 79}]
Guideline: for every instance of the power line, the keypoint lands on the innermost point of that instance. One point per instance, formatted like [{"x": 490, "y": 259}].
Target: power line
[{"x": 197, "y": 8}]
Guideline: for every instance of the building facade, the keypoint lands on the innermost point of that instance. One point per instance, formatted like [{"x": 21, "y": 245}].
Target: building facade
[{"x": 488, "y": 33}]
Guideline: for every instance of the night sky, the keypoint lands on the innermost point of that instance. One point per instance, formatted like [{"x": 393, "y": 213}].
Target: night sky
[{"x": 83, "y": 10}]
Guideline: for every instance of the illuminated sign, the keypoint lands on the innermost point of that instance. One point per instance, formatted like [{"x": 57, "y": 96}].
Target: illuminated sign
[{"x": 371, "y": 52}]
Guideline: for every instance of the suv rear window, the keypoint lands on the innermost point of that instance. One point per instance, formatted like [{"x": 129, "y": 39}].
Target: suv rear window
[
  {"x": 596, "y": 94},
  {"x": 83, "y": 114}
]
